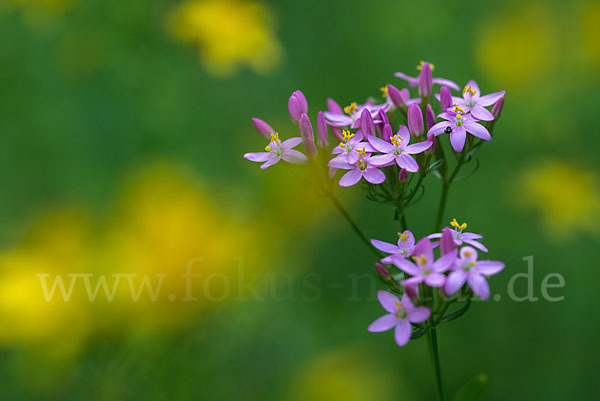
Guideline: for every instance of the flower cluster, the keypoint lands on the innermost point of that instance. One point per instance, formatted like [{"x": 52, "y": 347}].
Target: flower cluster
[
  {"x": 390, "y": 146},
  {"x": 456, "y": 270}
]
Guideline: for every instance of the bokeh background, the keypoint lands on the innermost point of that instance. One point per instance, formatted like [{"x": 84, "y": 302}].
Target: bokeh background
[{"x": 122, "y": 125}]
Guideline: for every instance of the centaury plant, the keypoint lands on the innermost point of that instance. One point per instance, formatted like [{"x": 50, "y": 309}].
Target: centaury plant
[{"x": 390, "y": 146}]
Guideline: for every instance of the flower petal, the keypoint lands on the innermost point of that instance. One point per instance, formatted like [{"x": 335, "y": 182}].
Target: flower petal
[
  {"x": 439, "y": 128},
  {"x": 406, "y": 161},
  {"x": 490, "y": 99},
  {"x": 385, "y": 247},
  {"x": 380, "y": 145},
  {"x": 476, "y": 244},
  {"x": 403, "y": 332},
  {"x": 418, "y": 314},
  {"x": 489, "y": 267},
  {"x": 418, "y": 147},
  {"x": 479, "y": 285},
  {"x": 445, "y": 262},
  {"x": 455, "y": 281},
  {"x": 291, "y": 143},
  {"x": 435, "y": 280},
  {"x": 406, "y": 266},
  {"x": 294, "y": 157},
  {"x": 384, "y": 323},
  {"x": 458, "y": 136},
  {"x": 478, "y": 130},
  {"x": 482, "y": 114},
  {"x": 374, "y": 175},
  {"x": 258, "y": 157},
  {"x": 271, "y": 162},
  {"x": 388, "y": 301},
  {"x": 382, "y": 160},
  {"x": 350, "y": 178},
  {"x": 339, "y": 162},
  {"x": 446, "y": 82}
]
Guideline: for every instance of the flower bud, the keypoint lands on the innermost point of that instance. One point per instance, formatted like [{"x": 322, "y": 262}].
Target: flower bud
[
  {"x": 308, "y": 136},
  {"x": 297, "y": 105},
  {"x": 412, "y": 291},
  {"x": 445, "y": 98},
  {"x": 294, "y": 109},
  {"x": 262, "y": 127},
  {"x": 429, "y": 117},
  {"x": 497, "y": 108},
  {"x": 415, "y": 120},
  {"x": 383, "y": 272},
  {"x": 403, "y": 175},
  {"x": 366, "y": 123},
  {"x": 425, "y": 80},
  {"x": 396, "y": 96},
  {"x": 387, "y": 132},
  {"x": 322, "y": 134},
  {"x": 333, "y": 107}
]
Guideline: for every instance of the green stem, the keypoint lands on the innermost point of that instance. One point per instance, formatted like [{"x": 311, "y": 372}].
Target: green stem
[
  {"x": 354, "y": 226},
  {"x": 435, "y": 355}
]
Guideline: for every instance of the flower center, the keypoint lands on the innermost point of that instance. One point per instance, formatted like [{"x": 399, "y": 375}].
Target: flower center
[
  {"x": 274, "y": 138},
  {"x": 400, "y": 311},
  {"x": 468, "y": 266},
  {"x": 351, "y": 109},
  {"x": 470, "y": 90},
  {"x": 403, "y": 237},
  {"x": 421, "y": 260}
]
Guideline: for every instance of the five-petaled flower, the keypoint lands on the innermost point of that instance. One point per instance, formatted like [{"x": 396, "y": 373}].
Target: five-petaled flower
[
  {"x": 349, "y": 149},
  {"x": 363, "y": 168},
  {"x": 459, "y": 123},
  {"x": 401, "y": 313},
  {"x": 277, "y": 150},
  {"x": 426, "y": 268},
  {"x": 472, "y": 101},
  {"x": 459, "y": 236},
  {"x": 468, "y": 269},
  {"x": 406, "y": 243},
  {"x": 398, "y": 150}
]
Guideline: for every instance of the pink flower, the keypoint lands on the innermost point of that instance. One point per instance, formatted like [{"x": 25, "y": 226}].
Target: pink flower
[
  {"x": 401, "y": 315},
  {"x": 398, "y": 150},
  {"x": 473, "y": 102},
  {"x": 348, "y": 150},
  {"x": 277, "y": 150},
  {"x": 468, "y": 269},
  {"x": 459, "y": 236},
  {"x": 363, "y": 168},
  {"x": 406, "y": 243},
  {"x": 458, "y": 124},
  {"x": 426, "y": 269}
]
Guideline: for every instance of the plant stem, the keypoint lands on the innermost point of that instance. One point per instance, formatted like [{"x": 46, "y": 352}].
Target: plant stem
[
  {"x": 354, "y": 226},
  {"x": 433, "y": 346}
]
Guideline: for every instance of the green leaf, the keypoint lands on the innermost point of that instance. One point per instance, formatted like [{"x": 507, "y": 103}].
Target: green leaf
[{"x": 472, "y": 389}]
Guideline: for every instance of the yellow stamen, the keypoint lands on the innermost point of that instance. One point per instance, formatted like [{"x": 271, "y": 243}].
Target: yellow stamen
[
  {"x": 420, "y": 66},
  {"x": 396, "y": 140},
  {"x": 403, "y": 237},
  {"x": 384, "y": 91},
  {"x": 347, "y": 135},
  {"x": 458, "y": 117},
  {"x": 455, "y": 224},
  {"x": 457, "y": 109},
  {"x": 361, "y": 152},
  {"x": 470, "y": 90},
  {"x": 342, "y": 145},
  {"x": 275, "y": 138},
  {"x": 351, "y": 109},
  {"x": 268, "y": 148},
  {"x": 468, "y": 254},
  {"x": 422, "y": 260},
  {"x": 398, "y": 304}
]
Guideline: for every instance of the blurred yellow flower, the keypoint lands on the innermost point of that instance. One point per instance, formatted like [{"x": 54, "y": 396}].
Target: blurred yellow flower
[
  {"x": 164, "y": 222},
  {"x": 347, "y": 374},
  {"x": 229, "y": 34},
  {"x": 566, "y": 196},
  {"x": 518, "y": 47}
]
